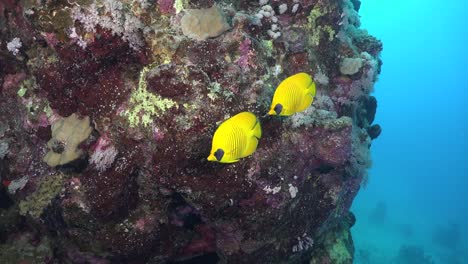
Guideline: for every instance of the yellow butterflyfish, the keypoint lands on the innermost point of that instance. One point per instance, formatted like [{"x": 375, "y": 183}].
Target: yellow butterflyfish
[
  {"x": 294, "y": 94},
  {"x": 237, "y": 137}
]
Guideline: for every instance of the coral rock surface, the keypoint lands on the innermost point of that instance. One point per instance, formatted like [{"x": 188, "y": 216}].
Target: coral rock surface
[{"x": 107, "y": 112}]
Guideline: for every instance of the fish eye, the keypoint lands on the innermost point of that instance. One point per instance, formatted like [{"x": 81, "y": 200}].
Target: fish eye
[
  {"x": 219, "y": 154},
  {"x": 278, "y": 108}
]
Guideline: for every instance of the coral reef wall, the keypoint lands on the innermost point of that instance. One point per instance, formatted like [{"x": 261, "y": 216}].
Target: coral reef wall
[{"x": 107, "y": 110}]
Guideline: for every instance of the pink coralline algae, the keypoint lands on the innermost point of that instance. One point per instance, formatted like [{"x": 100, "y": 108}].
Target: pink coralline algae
[
  {"x": 166, "y": 6},
  {"x": 13, "y": 80},
  {"x": 246, "y": 55},
  {"x": 144, "y": 192}
]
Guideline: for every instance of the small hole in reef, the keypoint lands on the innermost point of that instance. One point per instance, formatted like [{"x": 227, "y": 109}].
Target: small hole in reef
[
  {"x": 324, "y": 169},
  {"x": 5, "y": 200}
]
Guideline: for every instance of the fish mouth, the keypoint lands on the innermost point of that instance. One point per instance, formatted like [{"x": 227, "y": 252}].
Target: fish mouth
[
  {"x": 272, "y": 112},
  {"x": 211, "y": 158}
]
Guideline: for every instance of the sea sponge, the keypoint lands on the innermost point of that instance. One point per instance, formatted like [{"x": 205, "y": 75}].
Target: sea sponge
[
  {"x": 350, "y": 66},
  {"x": 201, "y": 24},
  {"x": 67, "y": 134}
]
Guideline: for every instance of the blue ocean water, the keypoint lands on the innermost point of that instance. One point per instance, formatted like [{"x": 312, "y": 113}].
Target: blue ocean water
[{"x": 417, "y": 197}]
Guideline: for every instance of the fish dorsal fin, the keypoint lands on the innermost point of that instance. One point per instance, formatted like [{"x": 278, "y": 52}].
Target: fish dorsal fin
[
  {"x": 244, "y": 120},
  {"x": 302, "y": 79}
]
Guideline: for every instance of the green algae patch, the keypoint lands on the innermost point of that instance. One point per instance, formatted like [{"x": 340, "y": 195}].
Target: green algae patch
[
  {"x": 217, "y": 91},
  {"x": 179, "y": 5},
  {"x": 48, "y": 188},
  {"x": 267, "y": 47},
  {"x": 339, "y": 252},
  {"x": 27, "y": 85},
  {"x": 317, "y": 30},
  {"x": 144, "y": 105}
]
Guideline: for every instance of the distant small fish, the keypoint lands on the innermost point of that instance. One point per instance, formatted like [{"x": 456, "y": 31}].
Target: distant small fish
[
  {"x": 235, "y": 138},
  {"x": 294, "y": 94}
]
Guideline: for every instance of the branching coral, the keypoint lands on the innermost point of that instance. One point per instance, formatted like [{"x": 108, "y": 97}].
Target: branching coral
[
  {"x": 114, "y": 16},
  {"x": 104, "y": 154}
]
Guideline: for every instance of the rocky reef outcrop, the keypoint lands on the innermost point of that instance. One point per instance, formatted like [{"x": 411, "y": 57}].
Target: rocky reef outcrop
[{"x": 126, "y": 96}]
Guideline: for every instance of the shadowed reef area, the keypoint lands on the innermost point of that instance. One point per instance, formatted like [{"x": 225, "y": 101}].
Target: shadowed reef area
[{"x": 108, "y": 108}]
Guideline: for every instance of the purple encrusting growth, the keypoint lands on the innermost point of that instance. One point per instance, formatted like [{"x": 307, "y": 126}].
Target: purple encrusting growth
[
  {"x": 141, "y": 190},
  {"x": 166, "y": 6},
  {"x": 246, "y": 55}
]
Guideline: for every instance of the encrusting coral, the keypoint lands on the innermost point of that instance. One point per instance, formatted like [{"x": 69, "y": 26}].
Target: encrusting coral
[
  {"x": 47, "y": 189},
  {"x": 107, "y": 113},
  {"x": 201, "y": 24},
  {"x": 67, "y": 134}
]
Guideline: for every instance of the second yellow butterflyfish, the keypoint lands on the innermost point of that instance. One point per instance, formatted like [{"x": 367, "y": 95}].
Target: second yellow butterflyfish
[{"x": 294, "y": 94}]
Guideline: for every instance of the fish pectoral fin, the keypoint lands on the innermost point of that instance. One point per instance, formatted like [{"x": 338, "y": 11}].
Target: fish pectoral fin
[
  {"x": 306, "y": 102},
  {"x": 251, "y": 146},
  {"x": 312, "y": 89},
  {"x": 257, "y": 129}
]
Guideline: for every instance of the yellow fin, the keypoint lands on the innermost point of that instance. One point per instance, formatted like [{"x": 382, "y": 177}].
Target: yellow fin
[
  {"x": 252, "y": 141},
  {"x": 301, "y": 79},
  {"x": 308, "y": 98},
  {"x": 257, "y": 129},
  {"x": 244, "y": 120},
  {"x": 252, "y": 144},
  {"x": 312, "y": 89},
  {"x": 305, "y": 103}
]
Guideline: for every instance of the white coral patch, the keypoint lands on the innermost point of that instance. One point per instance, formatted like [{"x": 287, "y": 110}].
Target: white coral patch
[
  {"x": 14, "y": 45},
  {"x": 293, "y": 190}
]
